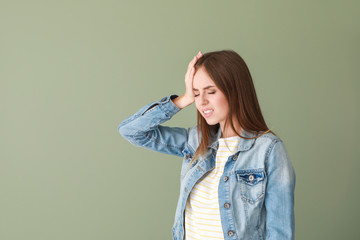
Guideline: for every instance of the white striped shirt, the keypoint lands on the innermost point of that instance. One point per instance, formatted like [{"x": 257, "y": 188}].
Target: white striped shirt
[{"x": 202, "y": 215}]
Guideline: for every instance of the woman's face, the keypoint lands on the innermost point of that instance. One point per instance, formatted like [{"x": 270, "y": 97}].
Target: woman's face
[{"x": 209, "y": 100}]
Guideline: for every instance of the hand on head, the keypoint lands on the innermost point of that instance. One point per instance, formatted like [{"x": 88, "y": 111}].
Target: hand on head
[
  {"x": 188, "y": 97},
  {"x": 189, "y": 77}
]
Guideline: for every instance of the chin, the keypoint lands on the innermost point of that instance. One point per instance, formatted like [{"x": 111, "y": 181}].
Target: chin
[{"x": 211, "y": 122}]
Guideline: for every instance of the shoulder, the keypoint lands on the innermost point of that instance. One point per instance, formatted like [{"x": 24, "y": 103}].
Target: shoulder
[
  {"x": 274, "y": 149},
  {"x": 267, "y": 139},
  {"x": 267, "y": 143},
  {"x": 270, "y": 137}
]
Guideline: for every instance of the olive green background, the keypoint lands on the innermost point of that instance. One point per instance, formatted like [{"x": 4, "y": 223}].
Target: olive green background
[{"x": 71, "y": 71}]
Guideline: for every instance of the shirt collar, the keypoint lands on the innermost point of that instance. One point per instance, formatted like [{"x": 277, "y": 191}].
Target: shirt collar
[{"x": 244, "y": 144}]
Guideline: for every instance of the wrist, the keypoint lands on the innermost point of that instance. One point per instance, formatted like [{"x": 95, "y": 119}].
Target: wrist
[{"x": 182, "y": 101}]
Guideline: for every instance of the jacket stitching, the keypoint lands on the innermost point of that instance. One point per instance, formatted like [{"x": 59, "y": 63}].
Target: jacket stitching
[{"x": 269, "y": 150}]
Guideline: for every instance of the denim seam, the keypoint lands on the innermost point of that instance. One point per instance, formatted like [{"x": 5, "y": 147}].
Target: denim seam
[
  {"x": 255, "y": 170},
  {"x": 164, "y": 110},
  {"x": 246, "y": 208},
  {"x": 128, "y": 120},
  {"x": 269, "y": 150}
]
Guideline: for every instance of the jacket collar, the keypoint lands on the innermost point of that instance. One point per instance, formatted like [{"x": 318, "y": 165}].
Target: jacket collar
[{"x": 244, "y": 144}]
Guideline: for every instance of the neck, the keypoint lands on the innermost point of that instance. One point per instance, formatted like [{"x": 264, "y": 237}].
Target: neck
[{"x": 228, "y": 132}]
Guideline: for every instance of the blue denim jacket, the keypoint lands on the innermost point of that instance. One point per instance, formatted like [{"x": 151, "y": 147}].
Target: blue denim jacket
[{"x": 258, "y": 181}]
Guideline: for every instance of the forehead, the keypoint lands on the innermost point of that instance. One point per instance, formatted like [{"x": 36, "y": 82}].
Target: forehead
[{"x": 202, "y": 79}]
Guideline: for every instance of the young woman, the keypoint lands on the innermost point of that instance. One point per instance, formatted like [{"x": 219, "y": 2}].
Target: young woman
[{"x": 237, "y": 181}]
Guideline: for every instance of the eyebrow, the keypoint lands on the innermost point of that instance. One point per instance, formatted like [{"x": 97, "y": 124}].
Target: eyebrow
[{"x": 203, "y": 88}]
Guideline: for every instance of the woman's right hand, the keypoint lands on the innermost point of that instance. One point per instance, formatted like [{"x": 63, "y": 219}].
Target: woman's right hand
[
  {"x": 189, "y": 77},
  {"x": 188, "y": 97}
]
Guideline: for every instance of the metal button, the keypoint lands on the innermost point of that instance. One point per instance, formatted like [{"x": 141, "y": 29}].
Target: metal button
[
  {"x": 231, "y": 233},
  {"x": 163, "y": 99},
  {"x": 187, "y": 156},
  {"x": 226, "y": 205},
  {"x": 226, "y": 178},
  {"x": 251, "y": 178},
  {"x": 235, "y": 157}
]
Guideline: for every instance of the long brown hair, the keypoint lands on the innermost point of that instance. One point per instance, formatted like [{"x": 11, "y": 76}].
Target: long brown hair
[{"x": 232, "y": 76}]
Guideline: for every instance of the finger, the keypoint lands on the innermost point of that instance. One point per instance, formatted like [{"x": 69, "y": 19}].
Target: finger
[
  {"x": 192, "y": 73},
  {"x": 194, "y": 59},
  {"x": 192, "y": 62},
  {"x": 189, "y": 74}
]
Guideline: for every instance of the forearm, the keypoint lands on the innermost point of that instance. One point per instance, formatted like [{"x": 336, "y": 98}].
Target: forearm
[
  {"x": 143, "y": 128},
  {"x": 148, "y": 117}
]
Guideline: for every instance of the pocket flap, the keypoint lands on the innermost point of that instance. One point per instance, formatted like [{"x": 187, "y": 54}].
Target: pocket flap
[{"x": 251, "y": 176}]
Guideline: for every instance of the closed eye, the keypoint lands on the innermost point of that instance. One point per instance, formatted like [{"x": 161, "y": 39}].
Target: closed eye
[{"x": 208, "y": 93}]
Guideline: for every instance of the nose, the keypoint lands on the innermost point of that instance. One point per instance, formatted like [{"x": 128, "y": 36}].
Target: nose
[{"x": 203, "y": 99}]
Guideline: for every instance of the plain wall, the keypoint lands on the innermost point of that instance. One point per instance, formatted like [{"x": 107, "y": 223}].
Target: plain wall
[{"x": 71, "y": 71}]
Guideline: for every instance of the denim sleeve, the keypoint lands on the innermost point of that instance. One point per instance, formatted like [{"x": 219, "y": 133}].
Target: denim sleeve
[
  {"x": 143, "y": 128},
  {"x": 279, "y": 197}
]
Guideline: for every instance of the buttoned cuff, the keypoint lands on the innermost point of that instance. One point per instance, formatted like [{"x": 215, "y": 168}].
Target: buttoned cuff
[{"x": 167, "y": 105}]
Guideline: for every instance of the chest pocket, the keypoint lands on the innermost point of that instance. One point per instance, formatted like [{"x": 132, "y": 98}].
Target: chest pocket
[{"x": 252, "y": 184}]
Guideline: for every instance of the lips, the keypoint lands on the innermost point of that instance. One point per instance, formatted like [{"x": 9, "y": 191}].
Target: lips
[{"x": 207, "y": 112}]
